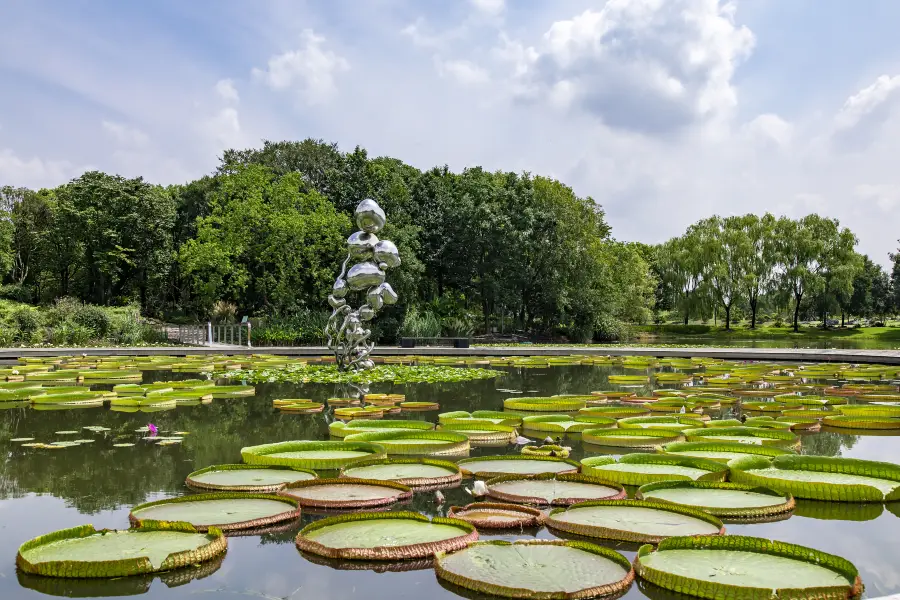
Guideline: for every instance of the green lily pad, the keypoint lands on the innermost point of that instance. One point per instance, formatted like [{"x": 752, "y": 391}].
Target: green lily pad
[
  {"x": 537, "y": 569},
  {"x": 123, "y": 445},
  {"x": 821, "y": 478},
  {"x": 557, "y": 490},
  {"x": 22, "y": 439},
  {"x": 86, "y": 552},
  {"x": 639, "y": 469},
  {"x": 430, "y": 443},
  {"x": 423, "y": 472},
  {"x": 633, "y": 520},
  {"x": 226, "y": 511},
  {"x": 312, "y": 455},
  {"x": 493, "y": 466},
  {"x": 745, "y": 567},
  {"x": 384, "y": 536},
  {"x": 347, "y": 492},
  {"x": 732, "y": 500},
  {"x": 721, "y": 451},
  {"x": 246, "y": 478}
]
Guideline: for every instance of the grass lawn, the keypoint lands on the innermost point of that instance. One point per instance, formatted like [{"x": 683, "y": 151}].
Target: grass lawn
[{"x": 881, "y": 334}]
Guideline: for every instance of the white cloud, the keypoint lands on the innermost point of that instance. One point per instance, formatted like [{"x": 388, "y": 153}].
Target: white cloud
[
  {"x": 885, "y": 196},
  {"x": 866, "y": 112},
  {"x": 124, "y": 134},
  {"x": 35, "y": 172},
  {"x": 226, "y": 90},
  {"x": 652, "y": 66},
  {"x": 311, "y": 69},
  {"x": 770, "y": 127},
  {"x": 463, "y": 71},
  {"x": 490, "y": 7}
]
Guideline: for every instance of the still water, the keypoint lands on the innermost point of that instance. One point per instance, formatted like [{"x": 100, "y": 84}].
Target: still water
[{"x": 43, "y": 490}]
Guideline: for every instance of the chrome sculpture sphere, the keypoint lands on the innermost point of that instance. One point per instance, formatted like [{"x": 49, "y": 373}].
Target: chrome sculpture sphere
[
  {"x": 348, "y": 338},
  {"x": 369, "y": 216}
]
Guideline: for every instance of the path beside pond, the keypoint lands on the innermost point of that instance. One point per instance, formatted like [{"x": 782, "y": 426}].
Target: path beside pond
[{"x": 760, "y": 354}]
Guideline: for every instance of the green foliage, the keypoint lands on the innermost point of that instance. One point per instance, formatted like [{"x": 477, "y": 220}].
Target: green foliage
[
  {"x": 92, "y": 318},
  {"x": 420, "y": 324},
  {"x": 381, "y": 373},
  {"x": 268, "y": 244},
  {"x": 303, "y": 327},
  {"x": 28, "y": 324}
]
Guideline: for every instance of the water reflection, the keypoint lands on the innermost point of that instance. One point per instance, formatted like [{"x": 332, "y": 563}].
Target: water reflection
[{"x": 44, "y": 490}]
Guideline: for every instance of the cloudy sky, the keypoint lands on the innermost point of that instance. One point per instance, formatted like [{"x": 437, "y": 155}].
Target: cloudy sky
[{"x": 664, "y": 111}]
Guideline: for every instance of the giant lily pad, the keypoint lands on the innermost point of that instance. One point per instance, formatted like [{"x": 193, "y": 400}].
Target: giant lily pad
[
  {"x": 384, "y": 536},
  {"x": 482, "y": 432},
  {"x": 544, "y": 404},
  {"x": 673, "y": 423},
  {"x": 86, "y": 552},
  {"x": 640, "y": 469},
  {"x": 721, "y": 451},
  {"x": 422, "y": 443},
  {"x": 550, "y": 488},
  {"x": 494, "y": 466},
  {"x": 731, "y": 500},
  {"x": 312, "y": 455},
  {"x": 246, "y": 478},
  {"x": 497, "y": 417},
  {"x": 347, "y": 492},
  {"x": 537, "y": 569},
  {"x": 821, "y": 478},
  {"x": 744, "y": 435},
  {"x": 224, "y": 510},
  {"x": 630, "y": 438},
  {"x": 862, "y": 422},
  {"x": 495, "y": 515},
  {"x": 633, "y": 520},
  {"x": 340, "y": 429},
  {"x": 563, "y": 423},
  {"x": 413, "y": 472},
  {"x": 614, "y": 412},
  {"x": 747, "y": 567}
]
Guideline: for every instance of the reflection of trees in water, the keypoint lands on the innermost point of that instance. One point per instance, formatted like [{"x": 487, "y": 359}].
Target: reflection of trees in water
[{"x": 827, "y": 443}]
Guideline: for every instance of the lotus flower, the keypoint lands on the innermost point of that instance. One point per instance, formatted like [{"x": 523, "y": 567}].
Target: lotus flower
[
  {"x": 152, "y": 429},
  {"x": 521, "y": 441},
  {"x": 438, "y": 497}
]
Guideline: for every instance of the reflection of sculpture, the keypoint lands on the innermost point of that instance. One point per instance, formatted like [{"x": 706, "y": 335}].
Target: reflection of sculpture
[{"x": 347, "y": 335}]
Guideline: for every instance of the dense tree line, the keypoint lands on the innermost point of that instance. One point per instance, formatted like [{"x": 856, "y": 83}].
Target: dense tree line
[
  {"x": 802, "y": 266},
  {"x": 264, "y": 235}
]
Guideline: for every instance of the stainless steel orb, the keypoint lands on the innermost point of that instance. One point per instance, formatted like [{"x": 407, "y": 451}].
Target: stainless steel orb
[
  {"x": 364, "y": 275},
  {"x": 369, "y": 216},
  {"x": 386, "y": 252}
]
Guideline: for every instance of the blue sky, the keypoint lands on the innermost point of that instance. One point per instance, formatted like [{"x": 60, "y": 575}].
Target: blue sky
[{"x": 664, "y": 111}]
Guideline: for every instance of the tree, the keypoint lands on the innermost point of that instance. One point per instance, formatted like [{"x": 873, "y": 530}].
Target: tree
[
  {"x": 814, "y": 256},
  {"x": 759, "y": 262},
  {"x": 684, "y": 268},
  {"x": 895, "y": 281},
  {"x": 270, "y": 244},
  {"x": 724, "y": 252}
]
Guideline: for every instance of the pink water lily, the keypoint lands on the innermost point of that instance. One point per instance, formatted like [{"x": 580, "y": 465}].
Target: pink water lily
[{"x": 152, "y": 429}]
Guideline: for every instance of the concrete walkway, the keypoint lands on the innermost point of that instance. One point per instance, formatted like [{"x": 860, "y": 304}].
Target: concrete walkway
[{"x": 891, "y": 357}]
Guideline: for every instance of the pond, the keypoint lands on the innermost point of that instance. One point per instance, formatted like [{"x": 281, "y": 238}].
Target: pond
[{"x": 45, "y": 490}]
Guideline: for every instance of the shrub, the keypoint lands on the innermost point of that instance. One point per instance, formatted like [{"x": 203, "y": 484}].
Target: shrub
[
  {"x": 609, "y": 329},
  {"x": 94, "y": 318},
  {"x": 7, "y": 337},
  {"x": 28, "y": 325},
  {"x": 778, "y": 323},
  {"x": 458, "y": 327},
  {"x": 420, "y": 324},
  {"x": 63, "y": 310},
  {"x": 304, "y": 327},
  {"x": 224, "y": 312},
  {"x": 17, "y": 292}
]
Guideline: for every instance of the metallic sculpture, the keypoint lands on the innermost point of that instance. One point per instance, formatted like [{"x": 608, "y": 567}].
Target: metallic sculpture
[{"x": 348, "y": 337}]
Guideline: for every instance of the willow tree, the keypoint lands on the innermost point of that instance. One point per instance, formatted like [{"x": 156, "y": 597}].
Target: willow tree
[
  {"x": 723, "y": 249},
  {"x": 759, "y": 262},
  {"x": 813, "y": 254}
]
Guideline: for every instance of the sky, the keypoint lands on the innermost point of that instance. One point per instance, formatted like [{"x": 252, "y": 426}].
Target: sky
[{"x": 663, "y": 111}]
